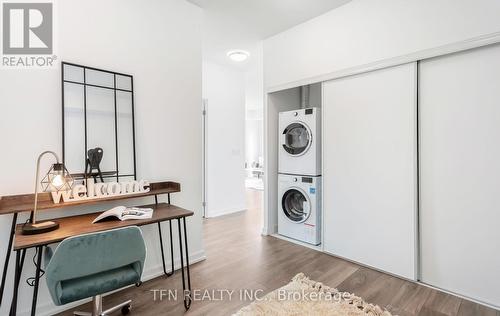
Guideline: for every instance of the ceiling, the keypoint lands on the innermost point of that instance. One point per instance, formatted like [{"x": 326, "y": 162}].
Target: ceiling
[{"x": 241, "y": 24}]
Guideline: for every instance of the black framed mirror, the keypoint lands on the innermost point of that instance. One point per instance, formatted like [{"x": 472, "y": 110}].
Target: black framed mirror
[{"x": 98, "y": 137}]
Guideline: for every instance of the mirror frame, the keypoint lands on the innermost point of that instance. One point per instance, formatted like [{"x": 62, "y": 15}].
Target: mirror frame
[{"x": 115, "y": 89}]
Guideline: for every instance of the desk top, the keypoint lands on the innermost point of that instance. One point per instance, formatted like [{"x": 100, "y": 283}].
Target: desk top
[{"x": 82, "y": 224}]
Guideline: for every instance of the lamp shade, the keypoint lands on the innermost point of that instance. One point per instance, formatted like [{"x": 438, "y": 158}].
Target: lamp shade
[{"x": 57, "y": 179}]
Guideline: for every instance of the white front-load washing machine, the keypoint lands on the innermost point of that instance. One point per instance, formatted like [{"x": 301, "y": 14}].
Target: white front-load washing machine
[
  {"x": 300, "y": 142},
  {"x": 299, "y": 208}
]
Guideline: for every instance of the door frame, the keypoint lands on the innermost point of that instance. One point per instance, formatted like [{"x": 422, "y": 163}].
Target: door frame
[{"x": 204, "y": 132}]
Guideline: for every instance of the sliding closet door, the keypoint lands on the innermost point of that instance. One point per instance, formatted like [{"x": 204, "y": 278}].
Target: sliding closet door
[
  {"x": 369, "y": 175},
  {"x": 460, "y": 172}
]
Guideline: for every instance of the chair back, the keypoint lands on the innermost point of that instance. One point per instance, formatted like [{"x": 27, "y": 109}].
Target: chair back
[{"x": 95, "y": 253}]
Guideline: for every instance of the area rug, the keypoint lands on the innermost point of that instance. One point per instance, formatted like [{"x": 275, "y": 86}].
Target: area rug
[{"x": 307, "y": 297}]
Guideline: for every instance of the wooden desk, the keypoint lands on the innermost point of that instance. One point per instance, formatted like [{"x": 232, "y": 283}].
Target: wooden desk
[
  {"x": 82, "y": 224},
  {"x": 15, "y": 204}
]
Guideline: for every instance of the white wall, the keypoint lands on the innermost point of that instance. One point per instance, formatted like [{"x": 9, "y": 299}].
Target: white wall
[
  {"x": 160, "y": 44},
  {"x": 224, "y": 89},
  {"x": 365, "y": 31},
  {"x": 254, "y": 106}
]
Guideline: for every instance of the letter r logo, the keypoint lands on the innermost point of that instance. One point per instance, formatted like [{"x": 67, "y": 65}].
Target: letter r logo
[{"x": 27, "y": 28}]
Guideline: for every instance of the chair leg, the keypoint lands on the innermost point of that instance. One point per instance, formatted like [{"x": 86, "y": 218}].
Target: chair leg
[
  {"x": 121, "y": 306},
  {"x": 97, "y": 305},
  {"x": 97, "y": 308}
]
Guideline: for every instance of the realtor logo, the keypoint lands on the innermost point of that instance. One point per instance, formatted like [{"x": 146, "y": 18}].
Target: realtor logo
[
  {"x": 28, "y": 34},
  {"x": 27, "y": 28}
]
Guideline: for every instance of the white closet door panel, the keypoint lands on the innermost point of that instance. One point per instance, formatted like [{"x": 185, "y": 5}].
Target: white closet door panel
[
  {"x": 369, "y": 145},
  {"x": 460, "y": 173}
]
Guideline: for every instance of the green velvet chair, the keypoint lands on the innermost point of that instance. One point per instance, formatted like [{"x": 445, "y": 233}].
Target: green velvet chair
[{"x": 93, "y": 264}]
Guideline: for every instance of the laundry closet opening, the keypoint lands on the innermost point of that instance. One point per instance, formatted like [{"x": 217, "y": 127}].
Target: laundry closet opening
[{"x": 293, "y": 173}]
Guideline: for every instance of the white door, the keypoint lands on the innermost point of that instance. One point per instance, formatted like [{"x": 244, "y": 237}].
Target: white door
[
  {"x": 460, "y": 173},
  {"x": 369, "y": 171}
]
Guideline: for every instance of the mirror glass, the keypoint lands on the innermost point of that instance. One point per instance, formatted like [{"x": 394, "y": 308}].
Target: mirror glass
[{"x": 98, "y": 124}]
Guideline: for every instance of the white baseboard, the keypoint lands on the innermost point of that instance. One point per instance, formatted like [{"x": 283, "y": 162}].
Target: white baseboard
[{"x": 48, "y": 308}]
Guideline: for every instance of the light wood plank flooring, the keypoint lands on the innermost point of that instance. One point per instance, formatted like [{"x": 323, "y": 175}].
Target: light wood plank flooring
[{"x": 238, "y": 257}]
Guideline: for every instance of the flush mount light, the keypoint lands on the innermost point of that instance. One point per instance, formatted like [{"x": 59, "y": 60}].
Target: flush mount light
[{"x": 238, "y": 55}]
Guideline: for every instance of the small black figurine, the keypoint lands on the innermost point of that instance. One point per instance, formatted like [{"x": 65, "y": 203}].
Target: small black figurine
[{"x": 94, "y": 158}]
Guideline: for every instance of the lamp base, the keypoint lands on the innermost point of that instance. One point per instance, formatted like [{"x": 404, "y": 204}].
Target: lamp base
[{"x": 39, "y": 228}]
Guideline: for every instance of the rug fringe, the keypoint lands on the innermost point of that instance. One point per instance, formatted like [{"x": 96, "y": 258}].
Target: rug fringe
[{"x": 347, "y": 297}]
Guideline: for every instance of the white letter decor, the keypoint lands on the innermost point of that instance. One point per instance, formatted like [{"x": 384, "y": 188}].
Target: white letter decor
[{"x": 94, "y": 191}]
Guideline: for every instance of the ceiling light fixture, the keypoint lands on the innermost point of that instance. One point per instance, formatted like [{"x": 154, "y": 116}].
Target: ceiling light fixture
[{"x": 238, "y": 55}]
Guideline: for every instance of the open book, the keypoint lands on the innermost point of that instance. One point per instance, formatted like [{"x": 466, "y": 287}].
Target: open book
[{"x": 125, "y": 213}]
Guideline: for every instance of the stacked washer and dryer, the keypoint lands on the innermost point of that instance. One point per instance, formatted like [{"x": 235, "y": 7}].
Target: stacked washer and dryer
[{"x": 299, "y": 178}]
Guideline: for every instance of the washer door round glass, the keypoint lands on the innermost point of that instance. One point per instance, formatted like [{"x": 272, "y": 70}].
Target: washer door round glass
[
  {"x": 295, "y": 205},
  {"x": 296, "y": 139}
]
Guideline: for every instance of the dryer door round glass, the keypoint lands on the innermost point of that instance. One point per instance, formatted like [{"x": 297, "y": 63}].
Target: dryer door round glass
[
  {"x": 296, "y": 139},
  {"x": 295, "y": 205}
]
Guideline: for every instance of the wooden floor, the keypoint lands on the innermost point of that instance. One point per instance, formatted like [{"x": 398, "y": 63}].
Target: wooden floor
[{"x": 238, "y": 257}]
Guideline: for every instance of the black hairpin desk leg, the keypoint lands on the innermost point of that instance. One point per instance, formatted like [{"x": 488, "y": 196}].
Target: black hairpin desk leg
[
  {"x": 161, "y": 245},
  {"x": 20, "y": 255},
  {"x": 17, "y": 278},
  {"x": 7, "y": 255},
  {"x": 37, "y": 279},
  {"x": 171, "y": 250},
  {"x": 171, "y": 247},
  {"x": 186, "y": 292}
]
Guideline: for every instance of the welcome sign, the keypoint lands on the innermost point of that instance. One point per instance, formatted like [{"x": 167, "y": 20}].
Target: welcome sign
[{"x": 92, "y": 190}]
